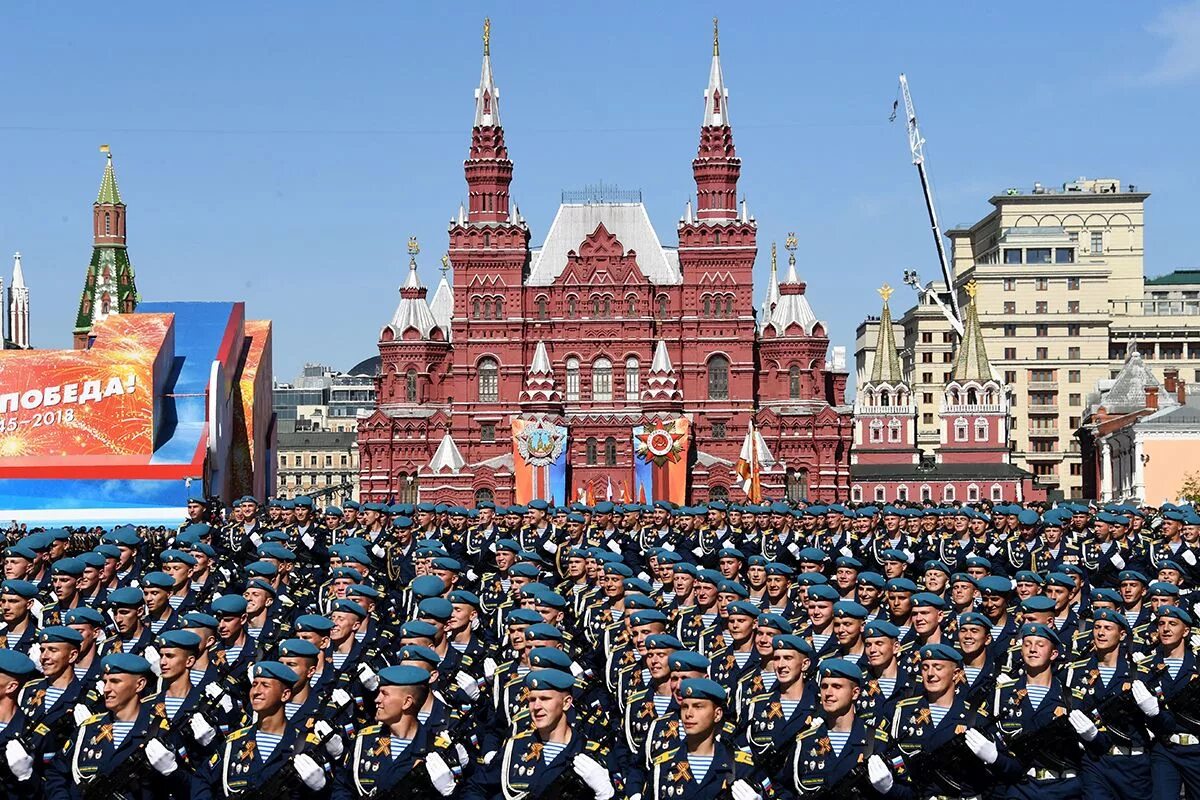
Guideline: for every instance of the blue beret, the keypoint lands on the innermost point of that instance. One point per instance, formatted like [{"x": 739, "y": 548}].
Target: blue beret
[
  {"x": 995, "y": 584},
  {"x": 892, "y": 554},
  {"x": 303, "y": 501},
  {"x": 20, "y": 588},
  {"x": 1038, "y": 602},
  {"x": 979, "y": 562},
  {"x": 940, "y": 652},
  {"x": 447, "y": 563},
  {"x": 936, "y": 566},
  {"x": 963, "y": 577},
  {"x": 22, "y": 550},
  {"x": 812, "y": 554},
  {"x": 1175, "y": 612},
  {"x": 686, "y": 569},
  {"x": 849, "y": 608},
  {"x": 637, "y": 602},
  {"x": 332, "y": 511},
  {"x": 350, "y": 607},
  {"x": 1106, "y": 595},
  {"x": 462, "y": 596},
  {"x": 549, "y": 658},
  {"x": 1028, "y": 576},
  {"x": 848, "y": 562},
  {"x": 179, "y": 638},
  {"x": 313, "y": 623},
  {"x": 731, "y": 552},
  {"x": 522, "y": 616},
  {"x": 645, "y": 616},
  {"x": 276, "y": 671},
  {"x": 871, "y": 579},
  {"x": 435, "y": 608},
  {"x": 265, "y": 569},
  {"x": 1060, "y": 579},
  {"x": 427, "y": 586},
  {"x": 618, "y": 569},
  {"x": 228, "y": 605},
  {"x": 710, "y": 576},
  {"x": 823, "y": 592},
  {"x": 786, "y": 641},
  {"x": 198, "y": 619},
  {"x": 403, "y": 676},
  {"x": 1162, "y": 588},
  {"x": 549, "y": 679},
  {"x": 778, "y": 568},
  {"x": 901, "y": 585},
  {"x": 418, "y": 628},
  {"x": 59, "y": 634},
  {"x": 542, "y": 630},
  {"x": 124, "y": 537},
  {"x": 757, "y": 561},
  {"x": 734, "y": 588},
  {"x": 201, "y": 547},
  {"x": 298, "y": 648},
  {"x": 17, "y": 665},
  {"x": 1028, "y": 517},
  {"x": 879, "y": 628},
  {"x": 1042, "y": 631},
  {"x": 687, "y": 661},
  {"x": 419, "y": 652},
  {"x": 508, "y": 544},
  {"x": 126, "y": 597},
  {"x": 364, "y": 590},
  {"x": 1110, "y": 615},
  {"x": 276, "y": 551},
  {"x": 178, "y": 556},
  {"x": 68, "y": 566},
  {"x": 158, "y": 580},
  {"x": 84, "y": 615},
  {"x": 928, "y": 599},
  {"x": 775, "y": 622},
  {"x": 742, "y": 608},
  {"x": 527, "y": 570},
  {"x": 663, "y": 641},
  {"x": 1130, "y": 575},
  {"x": 259, "y": 583},
  {"x": 702, "y": 689},
  {"x": 974, "y": 618},
  {"x": 840, "y": 668},
  {"x": 126, "y": 663}
]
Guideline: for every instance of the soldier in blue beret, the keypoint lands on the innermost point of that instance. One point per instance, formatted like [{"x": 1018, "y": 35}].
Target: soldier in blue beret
[
  {"x": 128, "y": 609},
  {"x": 17, "y": 780},
  {"x": 819, "y": 632},
  {"x": 779, "y": 711},
  {"x": 57, "y": 701},
  {"x": 1169, "y": 707},
  {"x": 885, "y": 681},
  {"x": 16, "y": 611}
]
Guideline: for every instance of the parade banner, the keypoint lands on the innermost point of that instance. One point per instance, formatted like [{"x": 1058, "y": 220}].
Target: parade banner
[
  {"x": 660, "y": 462},
  {"x": 79, "y": 403},
  {"x": 539, "y": 461}
]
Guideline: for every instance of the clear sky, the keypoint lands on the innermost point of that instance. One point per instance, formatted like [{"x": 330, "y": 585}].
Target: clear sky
[{"x": 282, "y": 153}]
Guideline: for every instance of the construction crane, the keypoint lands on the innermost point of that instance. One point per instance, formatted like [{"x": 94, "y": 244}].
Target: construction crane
[{"x": 917, "y": 145}]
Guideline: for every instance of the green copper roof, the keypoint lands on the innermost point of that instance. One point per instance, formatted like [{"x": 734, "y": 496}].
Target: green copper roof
[
  {"x": 109, "y": 193},
  {"x": 886, "y": 368},
  {"x": 1180, "y": 277},
  {"x": 109, "y": 271},
  {"x": 971, "y": 363}
]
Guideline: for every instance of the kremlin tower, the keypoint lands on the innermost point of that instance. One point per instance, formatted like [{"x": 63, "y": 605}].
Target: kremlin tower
[{"x": 109, "y": 287}]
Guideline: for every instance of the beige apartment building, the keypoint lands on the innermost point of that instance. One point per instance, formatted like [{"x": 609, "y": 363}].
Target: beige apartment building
[{"x": 1062, "y": 294}]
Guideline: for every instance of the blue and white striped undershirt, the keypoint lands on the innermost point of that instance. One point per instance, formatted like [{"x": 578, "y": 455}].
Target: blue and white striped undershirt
[
  {"x": 838, "y": 739},
  {"x": 645, "y": 677},
  {"x": 972, "y": 673},
  {"x": 399, "y": 746},
  {"x": 12, "y": 638},
  {"x": 550, "y": 750},
  {"x": 52, "y": 695},
  {"x": 1173, "y": 666},
  {"x": 789, "y": 707},
  {"x": 820, "y": 640},
  {"x": 996, "y": 631},
  {"x": 156, "y": 625},
  {"x": 1131, "y": 617},
  {"x": 195, "y": 676},
  {"x": 266, "y": 743},
  {"x": 617, "y": 614},
  {"x": 938, "y": 713},
  {"x": 254, "y": 633},
  {"x": 887, "y": 686},
  {"x": 423, "y": 716},
  {"x": 176, "y": 600},
  {"x": 1036, "y": 694},
  {"x": 904, "y": 629},
  {"x": 742, "y": 658},
  {"x": 661, "y": 703},
  {"x": 290, "y": 709},
  {"x": 708, "y": 619},
  {"x": 459, "y": 646},
  {"x": 700, "y": 766},
  {"x": 338, "y": 659},
  {"x": 120, "y": 731},
  {"x": 80, "y": 672},
  {"x": 1106, "y": 674},
  {"x": 172, "y": 705},
  {"x": 233, "y": 653},
  {"x": 768, "y": 679}
]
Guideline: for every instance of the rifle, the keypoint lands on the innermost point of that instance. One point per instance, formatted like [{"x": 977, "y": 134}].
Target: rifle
[
  {"x": 1186, "y": 704},
  {"x": 950, "y": 766},
  {"x": 1120, "y": 715},
  {"x": 1053, "y": 746}
]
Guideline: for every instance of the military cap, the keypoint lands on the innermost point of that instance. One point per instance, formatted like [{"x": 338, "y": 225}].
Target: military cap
[
  {"x": 178, "y": 557},
  {"x": 549, "y": 658},
  {"x": 59, "y": 634},
  {"x": 963, "y": 577},
  {"x": 1043, "y": 631},
  {"x": 974, "y": 618},
  {"x": 185, "y": 640},
  {"x": 353, "y": 505},
  {"x": 400, "y": 520},
  {"x": 276, "y": 551},
  {"x": 464, "y": 597},
  {"x": 435, "y": 608},
  {"x": 418, "y": 652},
  {"x": 928, "y": 599},
  {"x": 1060, "y": 579},
  {"x": 22, "y": 550},
  {"x": 742, "y": 608},
  {"x": 638, "y": 602},
  {"x": 402, "y": 675},
  {"x": 1029, "y": 576},
  {"x": 298, "y": 648},
  {"x": 418, "y": 628},
  {"x": 1028, "y": 517},
  {"x": 516, "y": 511},
  {"x": 84, "y": 615},
  {"x": 871, "y": 579},
  {"x": 849, "y": 608},
  {"x": 663, "y": 641},
  {"x": 1037, "y": 603},
  {"x": 1175, "y": 612},
  {"x": 996, "y": 584},
  {"x": 427, "y": 586},
  {"x": 259, "y": 583},
  {"x": 447, "y": 563},
  {"x": 979, "y": 562},
  {"x": 228, "y": 605},
  {"x": 823, "y": 592},
  {"x": 687, "y": 661},
  {"x": 940, "y": 652},
  {"x": 23, "y": 589},
  {"x": 686, "y": 568},
  {"x": 543, "y": 631},
  {"x": 198, "y": 619},
  {"x": 68, "y": 566},
  {"x": 1110, "y": 615},
  {"x": 618, "y": 569},
  {"x": 935, "y": 565},
  {"x": 1106, "y": 595},
  {"x": 775, "y": 621},
  {"x": 126, "y": 663},
  {"x": 522, "y": 616},
  {"x": 787, "y": 641},
  {"x": 731, "y": 552},
  {"x": 813, "y": 555},
  {"x": 364, "y": 590},
  {"x": 757, "y": 561},
  {"x": 576, "y": 517},
  {"x": 332, "y": 511},
  {"x": 276, "y": 671},
  {"x": 1164, "y": 589},
  {"x": 201, "y": 547},
  {"x": 634, "y": 585},
  {"x": 1131, "y": 575},
  {"x": 350, "y": 607},
  {"x": 892, "y": 554},
  {"x": 539, "y": 680},
  {"x": 840, "y": 668},
  {"x": 123, "y": 537},
  {"x": 278, "y": 537},
  {"x": 265, "y": 569},
  {"x": 779, "y": 568},
  {"x": 645, "y": 616},
  {"x": 900, "y": 585},
  {"x": 848, "y": 562},
  {"x": 702, "y": 689},
  {"x": 17, "y": 665},
  {"x": 508, "y": 544},
  {"x": 158, "y": 580},
  {"x": 313, "y": 623},
  {"x": 126, "y": 597},
  {"x": 880, "y": 628},
  {"x": 303, "y": 501},
  {"x": 734, "y": 588},
  {"x": 709, "y": 576},
  {"x": 527, "y": 570},
  {"x": 1168, "y": 563}
]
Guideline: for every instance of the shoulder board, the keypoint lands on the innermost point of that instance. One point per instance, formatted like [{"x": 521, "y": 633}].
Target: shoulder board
[
  {"x": 1078, "y": 664},
  {"x": 1142, "y": 658},
  {"x": 742, "y": 757},
  {"x": 525, "y": 734},
  {"x": 92, "y": 720},
  {"x": 1004, "y": 680},
  {"x": 663, "y": 758},
  {"x": 881, "y": 734},
  {"x": 908, "y": 701},
  {"x": 238, "y": 734},
  {"x": 370, "y": 730}
]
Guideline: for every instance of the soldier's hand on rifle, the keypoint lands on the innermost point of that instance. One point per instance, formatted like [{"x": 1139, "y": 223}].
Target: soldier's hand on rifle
[
  {"x": 879, "y": 775},
  {"x": 162, "y": 759},
  {"x": 340, "y": 698},
  {"x": 201, "y": 730},
  {"x": 333, "y": 744},
  {"x": 744, "y": 791},
  {"x": 468, "y": 685},
  {"x": 595, "y": 776},
  {"x": 440, "y": 775},
  {"x": 1147, "y": 702},
  {"x": 309, "y": 771},
  {"x": 80, "y": 713},
  {"x": 1083, "y": 726},
  {"x": 489, "y": 667},
  {"x": 19, "y": 760},
  {"x": 367, "y": 677},
  {"x": 983, "y": 747},
  {"x": 218, "y": 696},
  {"x": 1117, "y": 561}
]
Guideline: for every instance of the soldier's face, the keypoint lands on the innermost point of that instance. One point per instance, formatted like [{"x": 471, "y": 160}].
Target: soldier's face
[
  {"x": 699, "y": 717},
  {"x": 127, "y": 619},
  {"x": 659, "y": 517},
  {"x": 763, "y": 640},
  {"x": 789, "y": 665},
  {"x": 706, "y": 593},
  {"x": 156, "y": 599},
  {"x": 15, "y": 568},
  {"x": 867, "y": 595},
  {"x": 1052, "y": 535},
  {"x": 256, "y": 600},
  {"x": 925, "y": 619},
  {"x": 756, "y": 576},
  {"x": 576, "y": 567},
  {"x": 65, "y": 586},
  {"x": 1171, "y": 576},
  {"x": 248, "y": 511},
  {"x": 56, "y": 657},
  {"x": 740, "y": 627},
  {"x": 640, "y": 633},
  {"x": 121, "y": 688},
  {"x": 729, "y": 567},
  {"x": 1132, "y": 592},
  {"x": 893, "y": 569},
  {"x": 505, "y": 559},
  {"x": 880, "y": 650},
  {"x": 195, "y": 512},
  {"x": 847, "y": 630},
  {"x": 89, "y": 636},
  {"x": 344, "y": 625},
  {"x": 229, "y": 626},
  {"x": 938, "y": 676},
  {"x": 845, "y": 577},
  {"x": 658, "y": 662},
  {"x": 613, "y": 585},
  {"x": 89, "y": 579},
  {"x": 1171, "y": 631},
  {"x": 777, "y": 586},
  {"x": 1061, "y": 596},
  {"x": 972, "y": 639},
  {"x": 936, "y": 581},
  {"x": 994, "y": 606},
  {"x": 268, "y": 694},
  {"x": 391, "y": 702},
  {"x": 820, "y": 612},
  {"x": 547, "y": 707},
  {"x": 370, "y": 517},
  {"x": 962, "y": 593},
  {"x": 350, "y": 516},
  {"x": 682, "y": 583},
  {"x": 1037, "y": 652},
  {"x": 1107, "y": 635},
  {"x": 516, "y": 637},
  {"x": 838, "y": 695},
  {"x": 461, "y": 617},
  {"x": 174, "y": 661},
  {"x": 899, "y": 604},
  {"x": 304, "y": 668}
]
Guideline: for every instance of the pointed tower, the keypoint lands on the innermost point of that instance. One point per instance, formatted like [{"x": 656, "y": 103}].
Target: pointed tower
[
  {"x": 885, "y": 417},
  {"x": 974, "y": 411},
  {"x": 540, "y": 392},
  {"x": 662, "y": 384},
  {"x": 412, "y": 347},
  {"x": 109, "y": 287},
  {"x": 772, "y": 297},
  {"x": 716, "y": 167},
  {"x": 442, "y": 304},
  {"x": 489, "y": 171},
  {"x": 18, "y": 307}
]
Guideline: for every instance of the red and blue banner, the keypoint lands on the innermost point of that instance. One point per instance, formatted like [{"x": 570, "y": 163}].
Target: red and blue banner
[
  {"x": 660, "y": 461},
  {"x": 539, "y": 461}
]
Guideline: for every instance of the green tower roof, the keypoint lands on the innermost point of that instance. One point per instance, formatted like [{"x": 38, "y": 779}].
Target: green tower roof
[
  {"x": 886, "y": 368},
  {"x": 971, "y": 363},
  {"x": 109, "y": 193}
]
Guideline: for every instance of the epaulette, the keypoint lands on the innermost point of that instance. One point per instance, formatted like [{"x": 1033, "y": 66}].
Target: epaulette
[
  {"x": 92, "y": 720},
  {"x": 370, "y": 730},
  {"x": 663, "y": 758},
  {"x": 1078, "y": 664},
  {"x": 1004, "y": 680},
  {"x": 812, "y": 728},
  {"x": 908, "y": 701},
  {"x": 742, "y": 757},
  {"x": 1143, "y": 658},
  {"x": 239, "y": 733},
  {"x": 525, "y": 734}
]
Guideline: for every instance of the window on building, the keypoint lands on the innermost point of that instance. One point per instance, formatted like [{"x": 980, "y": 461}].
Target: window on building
[
  {"x": 997, "y": 493},
  {"x": 487, "y": 432},
  {"x": 543, "y": 307},
  {"x": 894, "y": 431},
  {"x": 1042, "y": 353},
  {"x": 631, "y": 306},
  {"x": 1064, "y": 255},
  {"x": 947, "y": 357},
  {"x": 794, "y": 382},
  {"x": 948, "y": 337},
  {"x": 475, "y": 308},
  {"x": 926, "y": 377},
  {"x": 1074, "y": 376},
  {"x": 345, "y": 461},
  {"x": 1041, "y": 330},
  {"x": 1010, "y": 354},
  {"x": 1037, "y": 255},
  {"x": 981, "y": 430},
  {"x": 1073, "y": 329},
  {"x": 329, "y": 461},
  {"x": 1075, "y": 399},
  {"x": 1074, "y": 422},
  {"x": 662, "y": 305},
  {"x": 1073, "y": 353},
  {"x": 927, "y": 419},
  {"x": 856, "y": 494},
  {"x": 1097, "y": 243},
  {"x": 1040, "y": 307},
  {"x": 1010, "y": 330},
  {"x": 876, "y": 431},
  {"x": 602, "y": 380},
  {"x": 1010, "y": 307},
  {"x": 610, "y": 452},
  {"x": 796, "y": 485},
  {"x": 718, "y": 378},
  {"x": 1044, "y": 469},
  {"x": 1012, "y": 255},
  {"x": 926, "y": 337},
  {"x": 960, "y": 430},
  {"x": 596, "y": 305},
  {"x": 1072, "y": 306},
  {"x": 299, "y": 461},
  {"x": 410, "y": 386},
  {"x": 1041, "y": 375},
  {"x": 1172, "y": 351},
  {"x": 1073, "y": 284},
  {"x": 972, "y": 494},
  {"x": 1010, "y": 284},
  {"x": 945, "y": 377},
  {"x": 926, "y": 492},
  {"x": 572, "y": 307},
  {"x": 632, "y": 380},
  {"x": 948, "y": 493},
  {"x": 927, "y": 357},
  {"x": 489, "y": 380},
  {"x": 707, "y": 306},
  {"x": 1010, "y": 376},
  {"x": 902, "y": 493},
  {"x": 718, "y": 430},
  {"x": 880, "y": 494},
  {"x": 484, "y": 496},
  {"x": 1042, "y": 284},
  {"x": 1076, "y": 469},
  {"x": 572, "y": 380},
  {"x": 927, "y": 397},
  {"x": 312, "y": 461},
  {"x": 590, "y": 452}
]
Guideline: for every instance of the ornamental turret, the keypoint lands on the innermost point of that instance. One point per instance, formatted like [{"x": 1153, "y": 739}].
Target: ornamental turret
[{"x": 109, "y": 287}]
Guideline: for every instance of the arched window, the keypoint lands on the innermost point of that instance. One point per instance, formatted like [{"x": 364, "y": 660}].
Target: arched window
[
  {"x": 981, "y": 430},
  {"x": 948, "y": 493},
  {"x": 796, "y": 485},
  {"x": 105, "y": 304},
  {"x": 894, "y": 431},
  {"x": 880, "y": 494},
  {"x": 794, "y": 382},
  {"x": 972, "y": 396},
  {"x": 484, "y": 496},
  {"x": 972, "y": 494},
  {"x": 487, "y": 308},
  {"x": 107, "y": 223},
  {"x": 607, "y": 306},
  {"x": 729, "y": 305},
  {"x": 410, "y": 386},
  {"x": 997, "y": 493},
  {"x": 499, "y": 308},
  {"x": 707, "y": 306},
  {"x": 876, "y": 431},
  {"x": 475, "y": 308},
  {"x": 902, "y": 493},
  {"x": 663, "y": 305},
  {"x": 632, "y": 379},
  {"x": 718, "y": 493},
  {"x": 718, "y": 378},
  {"x": 542, "y": 310},
  {"x": 572, "y": 306},
  {"x": 631, "y": 305},
  {"x": 717, "y": 239},
  {"x": 596, "y": 305},
  {"x": 573, "y": 380},
  {"x": 856, "y": 494},
  {"x": 590, "y": 452},
  {"x": 489, "y": 381},
  {"x": 926, "y": 492},
  {"x": 610, "y": 452},
  {"x": 602, "y": 380},
  {"x": 960, "y": 430},
  {"x": 406, "y": 488},
  {"x": 487, "y": 238}
]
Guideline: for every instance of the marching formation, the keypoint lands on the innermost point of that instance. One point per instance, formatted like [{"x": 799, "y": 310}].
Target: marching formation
[{"x": 610, "y": 651}]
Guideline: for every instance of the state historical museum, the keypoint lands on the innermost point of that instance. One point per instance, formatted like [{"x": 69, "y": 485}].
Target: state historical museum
[{"x": 603, "y": 363}]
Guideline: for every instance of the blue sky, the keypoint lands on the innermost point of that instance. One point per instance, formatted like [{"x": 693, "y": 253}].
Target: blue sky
[{"x": 283, "y": 153}]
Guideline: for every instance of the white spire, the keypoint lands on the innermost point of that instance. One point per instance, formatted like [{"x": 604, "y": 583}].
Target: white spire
[
  {"x": 18, "y": 279},
  {"x": 447, "y": 456},
  {"x": 662, "y": 361},
  {"x": 745, "y": 212},
  {"x": 487, "y": 96},
  {"x": 413, "y": 282},
  {"x": 442, "y": 304},
  {"x": 716, "y": 96},
  {"x": 687, "y": 214},
  {"x": 772, "y": 297},
  {"x": 541, "y": 361}
]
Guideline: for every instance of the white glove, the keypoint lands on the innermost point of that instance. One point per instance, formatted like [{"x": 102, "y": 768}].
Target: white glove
[
  {"x": 983, "y": 747},
  {"x": 151, "y": 655},
  {"x": 201, "y": 730},
  {"x": 726, "y": 545},
  {"x": 80, "y": 713},
  {"x": 1147, "y": 702},
  {"x": 489, "y": 667},
  {"x": 162, "y": 759},
  {"x": 551, "y": 547},
  {"x": 378, "y": 551},
  {"x": 440, "y": 775},
  {"x": 489, "y": 757},
  {"x": 879, "y": 775},
  {"x": 744, "y": 791},
  {"x": 340, "y": 697},
  {"x": 308, "y": 541},
  {"x": 19, "y": 761},
  {"x": 1083, "y": 726},
  {"x": 698, "y": 552},
  {"x": 468, "y": 685},
  {"x": 670, "y": 548},
  {"x": 794, "y": 549},
  {"x": 333, "y": 744},
  {"x": 595, "y": 776},
  {"x": 471, "y": 576},
  {"x": 1117, "y": 561},
  {"x": 992, "y": 549},
  {"x": 577, "y": 670},
  {"x": 847, "y": 552},
  {"x": 368, "y": 677},
  {"x": 616, "y": 548},
  {"x": 309, "y": 771},
  {"x": 1189, "y": 558},
  {"x": 256, "y": 539}
]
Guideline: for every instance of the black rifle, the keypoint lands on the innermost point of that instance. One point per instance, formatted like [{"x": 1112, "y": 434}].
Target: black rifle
[
  {"x": 1121, "y": 716},
  {"x": 1053, "y": 746},
  {"x": 1186, "y": 704},
  {"x": 951, "y": 767}
]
